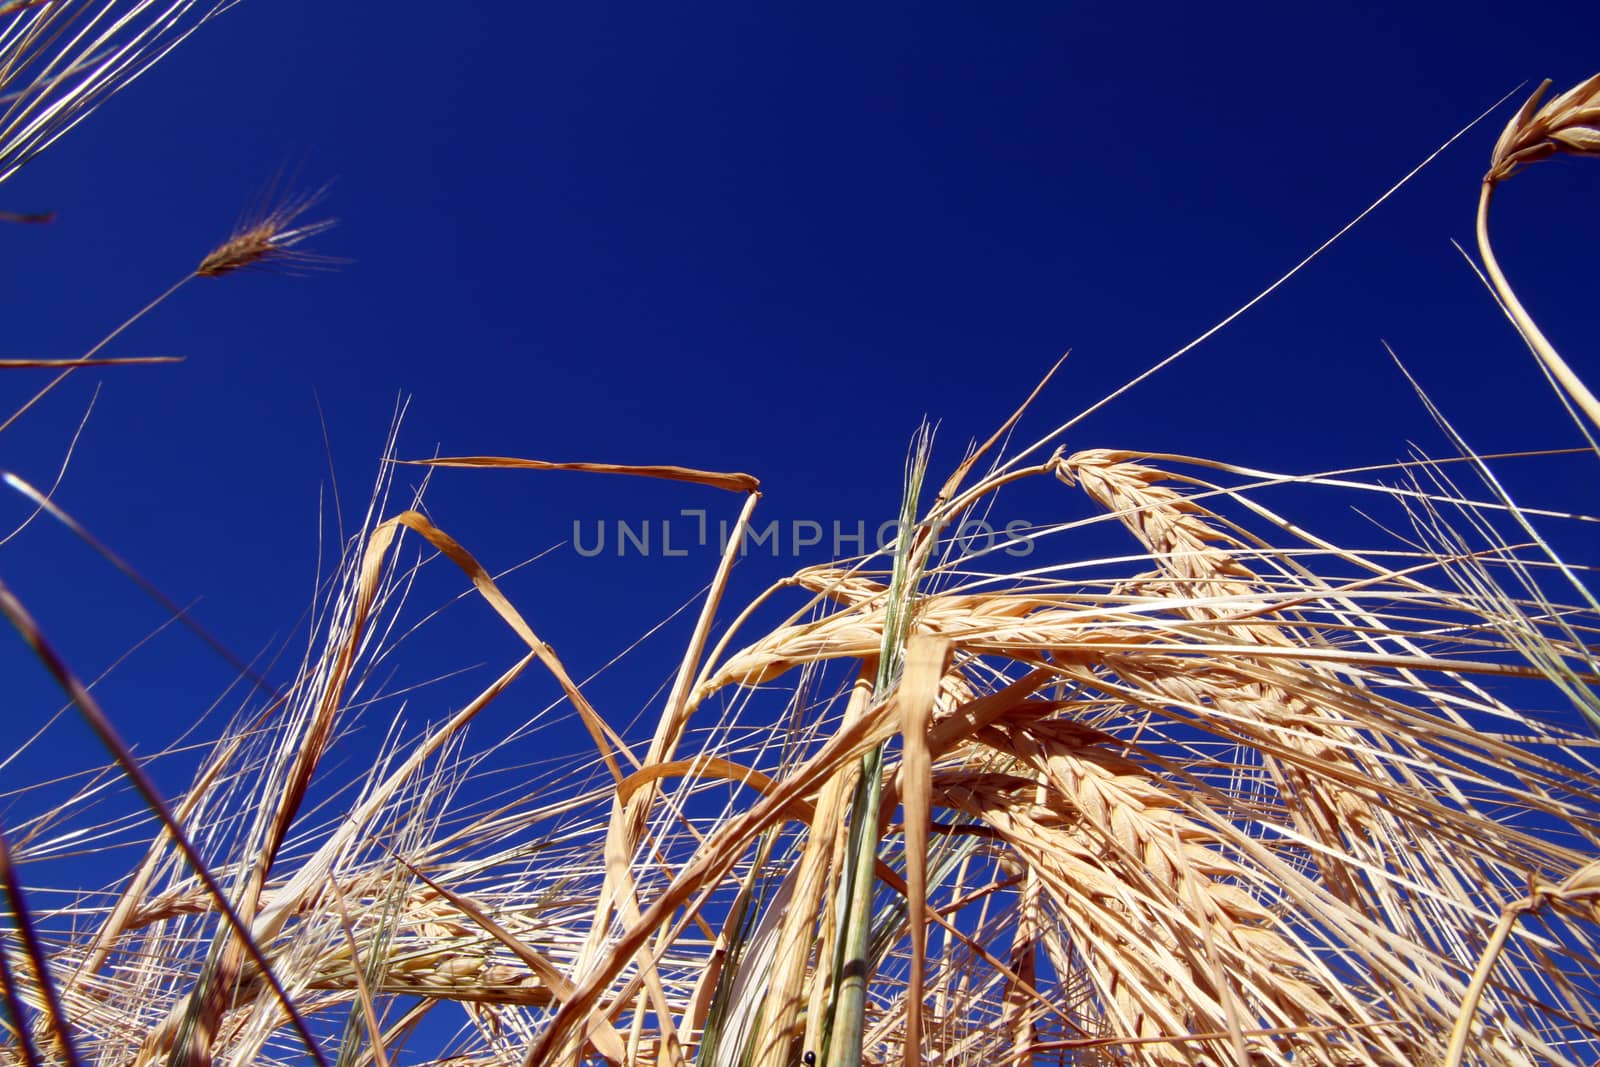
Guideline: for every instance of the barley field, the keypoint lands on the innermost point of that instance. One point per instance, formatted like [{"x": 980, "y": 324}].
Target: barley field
[{"x": 1186, "y": 782}]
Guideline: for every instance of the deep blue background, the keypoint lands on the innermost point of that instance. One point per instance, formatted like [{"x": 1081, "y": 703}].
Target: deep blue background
[{"x": 742, "y": 237}]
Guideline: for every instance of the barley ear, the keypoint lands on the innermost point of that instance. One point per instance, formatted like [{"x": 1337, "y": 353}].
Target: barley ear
[
  {"x": 1569, "y": 124},
  {"x": 269, "y": 240}
]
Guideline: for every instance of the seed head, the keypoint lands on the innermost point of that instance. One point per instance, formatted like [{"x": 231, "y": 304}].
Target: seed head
[
  {"x": 268, "y": 241},
  {"x": 1568, "y": 124}
]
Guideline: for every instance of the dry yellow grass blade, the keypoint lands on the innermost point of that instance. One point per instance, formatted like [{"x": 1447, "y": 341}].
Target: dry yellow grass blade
[
  {"x": 701, "y": 768},
  {"x": 104, "y": 361},
  {"x": 737, "y": 483},
  {"x": 927, "y": 658},
  {"x": 606, "y": 741}
]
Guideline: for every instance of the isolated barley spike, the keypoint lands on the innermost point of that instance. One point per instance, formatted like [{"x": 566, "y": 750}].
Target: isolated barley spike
[
  {"x": 1569, "y": 125},
  {"x": 270, "y": 240}
]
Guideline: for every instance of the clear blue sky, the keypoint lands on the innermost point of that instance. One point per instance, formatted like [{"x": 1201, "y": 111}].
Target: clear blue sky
[{"x": 744, "y": 237}]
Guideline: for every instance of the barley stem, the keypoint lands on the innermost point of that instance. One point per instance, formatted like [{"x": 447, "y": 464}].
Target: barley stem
[{"x": 1542, "y": 348}]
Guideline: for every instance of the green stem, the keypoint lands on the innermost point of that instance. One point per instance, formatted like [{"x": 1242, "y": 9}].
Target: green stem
[
  {"x": 842, "y": 1045},
  {"x": 842, "y": 1034}
]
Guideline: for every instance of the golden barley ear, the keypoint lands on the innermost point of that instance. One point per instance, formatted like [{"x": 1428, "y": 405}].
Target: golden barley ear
[
  {"x": 270, "y": 239},
  {"x": 1570, "y": 123}
]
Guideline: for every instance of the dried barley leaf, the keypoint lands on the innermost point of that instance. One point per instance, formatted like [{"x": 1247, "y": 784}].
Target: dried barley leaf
[
  {"x": 117, "y": 361},
  {"x": 733, "y": 482},
  {"x": 927, "y": 657}
]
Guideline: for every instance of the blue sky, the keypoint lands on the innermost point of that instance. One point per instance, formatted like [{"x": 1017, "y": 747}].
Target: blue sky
[{"x": 745, "y": 237}]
